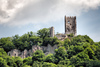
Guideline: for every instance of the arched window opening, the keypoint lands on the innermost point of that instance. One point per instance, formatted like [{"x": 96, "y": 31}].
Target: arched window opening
[
  {"x": 15, "y": 54},
  {"x": 68, "y": 21}
]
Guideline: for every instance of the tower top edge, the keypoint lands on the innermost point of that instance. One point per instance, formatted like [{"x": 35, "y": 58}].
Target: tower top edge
[{"x": 70, "y": 17}]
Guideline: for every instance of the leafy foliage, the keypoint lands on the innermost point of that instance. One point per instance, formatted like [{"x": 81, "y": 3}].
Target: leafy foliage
[
  {"x": 28, "y": 61},
  {"x": 49, "y": 58},
  {"x": 45, "y": 64},
  {"x": 60, "y": 54},
  {"x": 38, "y": 56},
  {"x": 45, "y": 32},
  {"x": 78, "y": 51}
]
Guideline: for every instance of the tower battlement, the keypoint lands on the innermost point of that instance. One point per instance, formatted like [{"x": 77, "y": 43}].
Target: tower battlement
[{"x": 71, "y": 17}]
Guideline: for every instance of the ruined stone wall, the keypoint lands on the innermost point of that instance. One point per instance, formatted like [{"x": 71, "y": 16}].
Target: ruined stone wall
[
  {"x": 61, "y": 36},
  {"x": 14, "y": 52},
  {"x": 28, "y": 53},
  {"x": 70, "y": 25}
]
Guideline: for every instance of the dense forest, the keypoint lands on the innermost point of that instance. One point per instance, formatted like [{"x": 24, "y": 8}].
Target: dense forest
[{"x": 78, "y": 51}]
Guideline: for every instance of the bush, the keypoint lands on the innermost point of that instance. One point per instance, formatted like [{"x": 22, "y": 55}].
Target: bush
[
  {"x": 38, "y": 56},
  {"x": 37, "y": 64},
  {"x": 45, "y": 64}
]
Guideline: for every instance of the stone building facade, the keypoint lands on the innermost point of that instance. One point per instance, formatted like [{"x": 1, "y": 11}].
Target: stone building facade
[
  {"x": 28, "y": 53},
  {"x": 70, "y": 25}
]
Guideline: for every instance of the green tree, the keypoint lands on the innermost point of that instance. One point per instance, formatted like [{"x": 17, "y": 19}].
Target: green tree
[
  {"x": 97, "y": 53},
  {"x": 85, "y": 45},
  {"x": 49, "y": 58},
  {"x": 89, "y": 52},
  {"x": 24, "y": 38},
  {"x": 91, "y": 63},
  {"x": 64, "y": 62},
  {"x": 16, "y": 37},
  {"x": 74, "y": 60},
  {"x": 19, "y": 45},
  {"x": 73, "y": 50},
  {"x": 35, "y": 40},
  {"x": 45, "y": 32},
  {"x": 37, "y": 64},
  {"x": 2, "y": 52},
  {"x": 28, "y": 61},
  {"x": 18, "y": 61},
  {"x": 67, "y": 43},
  {"x": 30, "y": 34},
  {"x": 25, "y": 65},
  {"x": 70, "y": 35},
  {"x": 2, "y": 62},
  {"x": 83, "y": 56},
  {"x": 10, "y": 61},
  {"x": 45, "y": 64},
  {"x": 79, "y": 40},
  {"x": 38, "y": 56},
  {"x": 60, "y": 65},
  {"x": 88, "y": 39},
  {"x": 16, "y": 40},
  {"x": 60, "y": 54},
  {"x": 4, "y": 40},
  {"x": 51, "y": 41},
  {"x": 8, "y": 46}
]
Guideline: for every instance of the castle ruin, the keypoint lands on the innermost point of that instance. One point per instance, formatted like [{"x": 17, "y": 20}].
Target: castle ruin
[
  {"x": 70, "y": 25},
  {"x": 70, "y": 28}
]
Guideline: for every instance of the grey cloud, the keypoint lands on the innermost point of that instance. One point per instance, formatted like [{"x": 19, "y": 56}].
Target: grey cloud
[
  {"x": 11, "y": 4},
  {"x": 42, "y": 11},
  {"x": 3, "y": 14}
]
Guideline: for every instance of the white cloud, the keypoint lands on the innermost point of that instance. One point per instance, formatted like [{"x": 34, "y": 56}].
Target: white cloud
[{"x": 20, "y": 12}]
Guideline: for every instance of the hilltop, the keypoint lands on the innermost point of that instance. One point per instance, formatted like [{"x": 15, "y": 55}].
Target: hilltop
[{"x": 75, "y": 51}]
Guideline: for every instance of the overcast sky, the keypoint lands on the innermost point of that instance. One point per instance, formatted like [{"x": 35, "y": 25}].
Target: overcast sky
[{"x": 22, "y": 16}]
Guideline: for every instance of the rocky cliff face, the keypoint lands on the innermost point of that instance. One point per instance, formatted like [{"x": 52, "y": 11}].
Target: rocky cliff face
[{"x": 28, "y": 53}]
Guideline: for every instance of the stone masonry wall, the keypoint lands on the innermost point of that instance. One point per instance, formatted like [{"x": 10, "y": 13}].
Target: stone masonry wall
[
  {"x": 28, "y": 53},
  {"x": 70, "y": 25}
]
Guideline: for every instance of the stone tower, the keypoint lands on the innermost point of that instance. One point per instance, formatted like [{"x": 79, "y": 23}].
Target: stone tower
[
  {"x": 70, "y": 25},
  {"x": 52, "y": 32}
]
